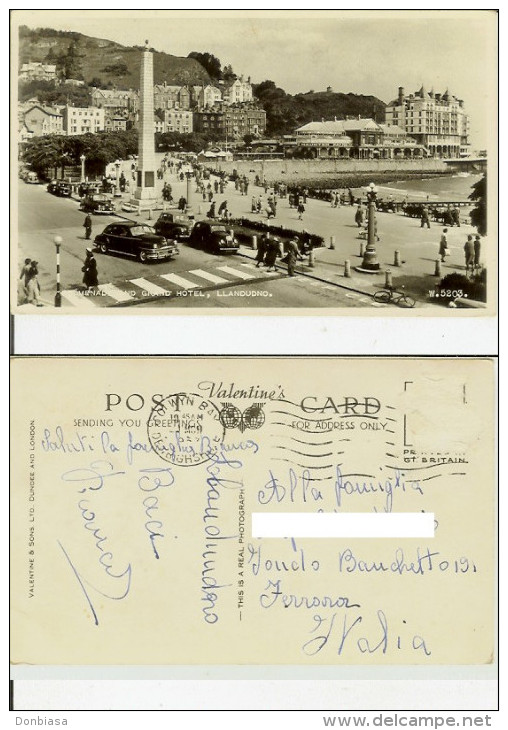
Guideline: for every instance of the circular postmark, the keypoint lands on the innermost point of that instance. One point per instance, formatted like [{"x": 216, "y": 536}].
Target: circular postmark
[{"x": 185, "y": 429}]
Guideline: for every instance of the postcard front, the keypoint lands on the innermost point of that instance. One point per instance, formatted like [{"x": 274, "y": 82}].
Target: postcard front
[
  {"x": 150, "y": 176},
  {"x": 142, "y": 490}
]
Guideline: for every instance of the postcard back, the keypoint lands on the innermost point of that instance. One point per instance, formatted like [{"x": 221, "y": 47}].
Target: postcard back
[{"x": 136, "y": 483}]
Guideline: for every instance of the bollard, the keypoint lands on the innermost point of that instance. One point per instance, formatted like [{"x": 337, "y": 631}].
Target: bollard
[
  {"x": 437, "y": 271},
  {"x": 149, "y": 214},
  {"x": 347, "y": 269},
  {"x": 200, "y": 209},
  {"x": 332, "y": 242},
  {"x": 396, "y": 258},
  {"x": 362, "y": 249},
  {"x": 311, "y": 258},
  {"x": 254, "y": 243},
  {"x": 388, "y": 279}
]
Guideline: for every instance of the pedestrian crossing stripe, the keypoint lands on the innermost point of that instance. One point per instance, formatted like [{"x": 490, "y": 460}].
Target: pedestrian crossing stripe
[
  {"x": 77, "y": 299},
  {"x": 235, "y": 272},
  {"x": 180, "y": 281},
  {"x": 119, "y": 295},
  {"x": 165, "y": 285},
  {"x": 208, "y": 276},
  {"x": 149, "y": 286}
]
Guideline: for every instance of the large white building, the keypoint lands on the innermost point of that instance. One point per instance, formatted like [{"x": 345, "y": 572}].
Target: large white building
[
  {"x": 237, "y": 91},
  {"x": 439, "y": 122},
  {"x": 39, "y": 121},
  {"x": 82, "y": 120}
]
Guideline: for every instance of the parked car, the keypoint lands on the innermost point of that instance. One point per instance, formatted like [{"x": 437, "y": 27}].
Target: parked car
[
  {"x": 60, "y": 188},
  {"x": 32, "y": 178},
  {"x": 172, "y": 225},
  {"x": 213, "y": 237},
  {"x": 98, "y": 203},
  {"x": 135, "y": 239}
]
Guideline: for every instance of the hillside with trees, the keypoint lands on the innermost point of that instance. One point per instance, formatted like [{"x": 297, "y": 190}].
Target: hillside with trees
[
  {"x": 83, "y": 57},
  {"x": 286, "y": 112}
]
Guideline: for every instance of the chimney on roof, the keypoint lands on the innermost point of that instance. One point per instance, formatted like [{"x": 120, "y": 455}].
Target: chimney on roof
[{"x": 401, "y": 94}]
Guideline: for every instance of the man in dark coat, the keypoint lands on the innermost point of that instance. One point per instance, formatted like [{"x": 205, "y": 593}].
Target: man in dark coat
[
  {"x": 262, "y": 246},
  {"x": 425, "y": 218},
  {"x": 292, "y": 255},
  {"x": 90, "y": 276},
  {"x": 87, "y": 225},
  {"x": 477, "y": 251},
  {"x": 469, "y": 253},
  {"x": 272, "y": 251}
]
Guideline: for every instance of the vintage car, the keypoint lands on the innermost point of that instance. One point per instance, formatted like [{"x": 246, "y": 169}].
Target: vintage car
[
  {"x": 213, "y": 237},
  {"x": 31, "y": 178},
  {"x": 174, "y": 225},
  {"x": 138, "y": 240},
  {"x": 97, "y": 203},
  {"x": 60, "y": 188}
]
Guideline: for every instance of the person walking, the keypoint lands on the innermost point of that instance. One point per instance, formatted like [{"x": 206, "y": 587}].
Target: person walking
[
  {"x": 477, "y": 251},
  {"x": 443, "y": 245},
  {"x": 33, "y": 288},
  {"x": 211, "y": 212},
  {"x": 25, "y": 276},
  {"x": 272, "y": 251},
  {"x": 262, "y": 246},
  {"x": 87, "y": 225},
  {"x": 301, "y": 210},
  {"x": 425, "y": 220},
  {"x": 292, "y": 255},
  {"x": 469, "y": 253},
  {"x": 456, "y": 216},
  {"x": 90, "y": 276},
  {"x": 359, "y": 215},
  {"x": 25, "y": 271}
]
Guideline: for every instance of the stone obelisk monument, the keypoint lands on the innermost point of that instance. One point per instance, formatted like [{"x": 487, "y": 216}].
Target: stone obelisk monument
[{"x": 145, "y": 195}]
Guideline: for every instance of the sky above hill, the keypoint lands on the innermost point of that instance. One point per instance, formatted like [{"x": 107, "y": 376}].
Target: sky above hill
[{"x": 363, "y": 52}]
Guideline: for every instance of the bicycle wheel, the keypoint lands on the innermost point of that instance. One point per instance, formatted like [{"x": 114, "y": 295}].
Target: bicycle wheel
[
  {"x": 382, "y": 296},
  {"x": 406, "y": 301}
]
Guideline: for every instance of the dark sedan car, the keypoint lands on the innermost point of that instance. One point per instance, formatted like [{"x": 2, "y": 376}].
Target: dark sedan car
[
  {"x": 135, "y": 239},
  {"x": 213, "y": 237},
  {"x": 60, "y": 188},
  {"x": 172, "y": 225},
  {"x": 98, "y": 203}
]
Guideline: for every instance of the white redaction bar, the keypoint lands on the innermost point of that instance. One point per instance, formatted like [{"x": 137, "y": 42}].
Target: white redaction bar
[{"x": 344, "y": 524}]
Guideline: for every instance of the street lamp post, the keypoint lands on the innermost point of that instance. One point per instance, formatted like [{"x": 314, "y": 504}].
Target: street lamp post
[
  {"x": 370, "y": 263},
  {"x": 58, "y": 296},
  {"x": 118, "y": 194},
  {"x": 83, "y": 158},
  {"x": 189, "y": 193}
]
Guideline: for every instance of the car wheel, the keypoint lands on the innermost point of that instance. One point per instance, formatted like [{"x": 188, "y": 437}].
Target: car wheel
[
  {"x": 103, "y": 248},
  {"x": 142, "y": 257}
]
